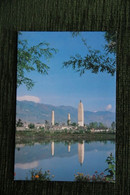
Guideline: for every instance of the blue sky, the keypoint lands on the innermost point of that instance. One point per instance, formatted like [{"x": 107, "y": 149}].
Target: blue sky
[{"x": 64, "y": 86}]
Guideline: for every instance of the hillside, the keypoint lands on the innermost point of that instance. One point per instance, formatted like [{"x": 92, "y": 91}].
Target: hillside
[{"x": 38, "y": 113}]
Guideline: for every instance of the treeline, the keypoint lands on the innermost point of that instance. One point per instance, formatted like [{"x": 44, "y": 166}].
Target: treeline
[
  {"x": 91, "y": 125},
  {"x": 20, "y": 123},
  {"x": 96, "y": 125}
]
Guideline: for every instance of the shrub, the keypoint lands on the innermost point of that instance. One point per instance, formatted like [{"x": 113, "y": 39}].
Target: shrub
[
  {"x": 74, "y": 124},
  {"x": 31, "y": 126},
  {"x": 41, "y": 128},
  {"x": 38, "y": 175},
  {"x": 94, "y": 178},
  {"x": 19, "y": 123},
  {"x": 111, "y": 168},
  {"x": 100, "y": 177}
]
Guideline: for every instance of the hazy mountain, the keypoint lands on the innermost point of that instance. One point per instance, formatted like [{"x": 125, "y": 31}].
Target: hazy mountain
[{"x": 37, "y": 113}]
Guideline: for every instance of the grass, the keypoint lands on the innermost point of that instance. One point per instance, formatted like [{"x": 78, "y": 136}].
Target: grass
[{"x": 63, "y": 135}]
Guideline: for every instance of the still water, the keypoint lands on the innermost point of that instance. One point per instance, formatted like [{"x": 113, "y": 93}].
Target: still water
[{"x": 63, "y": 159}]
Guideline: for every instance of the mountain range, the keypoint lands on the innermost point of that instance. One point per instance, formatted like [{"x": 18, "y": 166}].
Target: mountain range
[{"x": 37, "y": 113}]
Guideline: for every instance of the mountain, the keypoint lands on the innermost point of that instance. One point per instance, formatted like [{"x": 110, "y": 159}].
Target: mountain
[{"x": 37, "y": 113}]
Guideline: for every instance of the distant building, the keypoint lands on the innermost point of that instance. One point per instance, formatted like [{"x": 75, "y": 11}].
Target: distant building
[
  {"x": 52, "y": 118},
  {"x": 69, "y": 120},
  {"x": 38, "y": 125},
  {"x": 80, "y": 114}
]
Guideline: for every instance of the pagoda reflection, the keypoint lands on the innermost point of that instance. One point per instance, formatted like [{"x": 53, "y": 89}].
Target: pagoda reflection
[
  {"x": 69, "y": 147},
  {"x": 81, "y": 152},
  {"x": 52, "y": 148}
]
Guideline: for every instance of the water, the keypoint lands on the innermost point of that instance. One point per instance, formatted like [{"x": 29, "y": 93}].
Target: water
[{"x": 63, "y": 159}]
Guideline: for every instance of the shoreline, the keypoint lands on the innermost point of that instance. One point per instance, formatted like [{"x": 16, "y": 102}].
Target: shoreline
[{"x": 47, "y": 136}]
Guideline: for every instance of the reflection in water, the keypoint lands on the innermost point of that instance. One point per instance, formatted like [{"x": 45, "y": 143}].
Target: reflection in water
[
  {"x": 63, "y": 159},
  {"x": 81, "y": 152},
  {"x": 20, "y": 145},
  {"x": 30, "y": 165},
  {"x": 52, "y": 148},
  {"x": 68, "y": 147}
]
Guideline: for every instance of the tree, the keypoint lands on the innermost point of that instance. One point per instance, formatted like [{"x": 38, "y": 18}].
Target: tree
[
  {"x": 93, "y": 125},
  {"x": 31, "y": 126},
  {"x": 101, "y": 126},
  {"x": 57, "y": 124},
  {"x": 46, "y": 122},
  {"x": 95, "y": 60},
  {"x": 96, "y": 125},
  {"x": 19, "y": 123},
  {"x": 111, "y": 39},
  {"x": 74, "y": 124},
  {"x": 111, "y": 168},
  {"x": 113, "y": 125},
  {"x": 68, "y": 122},
  {"x": 29, "y": 59}
]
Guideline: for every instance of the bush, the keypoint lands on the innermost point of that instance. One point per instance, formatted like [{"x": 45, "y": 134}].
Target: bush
[
  {"x": 41, "y": 128},
  {"x": 31, "y": 126},
  {"x": 38, "y": 175},
  {"x": 100, "y": 177},
  {"x": 111, "y": 168},
  {"x": 74, "y": 124},
  {"x": 94, "y": 178},
  {"x": 19, "y": 123},
  {"x": 65, "y": 131}
]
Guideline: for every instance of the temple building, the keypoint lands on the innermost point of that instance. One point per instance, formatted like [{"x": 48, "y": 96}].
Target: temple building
[
  {"x": 80, "y": 114},
  {"x": 52, "y": 118},
  {"x": 69, "y": 120}
]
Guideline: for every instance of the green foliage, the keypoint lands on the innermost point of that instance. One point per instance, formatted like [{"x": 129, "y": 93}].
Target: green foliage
[
  {"x": 29, "y": 59},
  {"x": 95, "y": 60},
  {"x": 65, "y": 131},
  {"x": 111, "y": 168},
  {"x": 97, "y": 125},
  {"x": 38, "y": 175},
  {"x": 111, "y": 40},
  {"x": 75, "y": 33},
  {"x": 113, "y": 125},
  {"x": 101, "y": 126},
  {"x": 88, "y": 130},
  {"x": 57, "y": 124},
  {"x": 68, "y": 122},
  {"x": 74, "y": 124},
  {"x": 41, "y": 128},
  {"x": 93, "y": 125},
  {"x": 47, "y": 122},
  {"x": 94, "y": 178},
  {"x": 19, "y": 123},
  {"x": 31, "y": 126},
  {"x": 100, "y": 177}
]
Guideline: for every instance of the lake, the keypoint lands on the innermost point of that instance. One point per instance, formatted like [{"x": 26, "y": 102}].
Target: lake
[{"x": 63, "y": 159}]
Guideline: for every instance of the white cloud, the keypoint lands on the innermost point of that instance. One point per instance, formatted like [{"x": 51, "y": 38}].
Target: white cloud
[
  {"x": 29, "y": 98},
  {"x": 30, "y": 165},
  {"x": 109, "y": 107}
]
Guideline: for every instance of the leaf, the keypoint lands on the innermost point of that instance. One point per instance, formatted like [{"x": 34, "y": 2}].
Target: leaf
[{"x": 28, "y": 59}]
